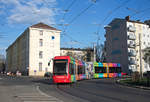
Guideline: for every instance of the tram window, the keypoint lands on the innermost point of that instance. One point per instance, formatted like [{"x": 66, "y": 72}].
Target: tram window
[
  {"x": 104, "y": 69},
  {"x": 112, "y": 70},
  {"x": 118, "y": 69},
  {"x": 80, "y": 69},
  {"x": 100, "y": 70},
  {"x": 71, "y": 68},
  {"x": 83, "y": 69}
]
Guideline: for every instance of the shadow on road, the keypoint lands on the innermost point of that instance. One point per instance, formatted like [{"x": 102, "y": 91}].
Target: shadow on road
[{"x": 44, "y": 81}]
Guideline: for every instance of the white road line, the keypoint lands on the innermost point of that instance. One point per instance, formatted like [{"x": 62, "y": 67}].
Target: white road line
[{"x": 44, "y": 94}]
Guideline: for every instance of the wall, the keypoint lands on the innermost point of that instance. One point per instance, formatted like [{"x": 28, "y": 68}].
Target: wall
[{"x": 50, "y": 48}]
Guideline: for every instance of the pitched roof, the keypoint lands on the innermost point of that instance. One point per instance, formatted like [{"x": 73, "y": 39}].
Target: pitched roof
[{"x": 44, "y": 26}]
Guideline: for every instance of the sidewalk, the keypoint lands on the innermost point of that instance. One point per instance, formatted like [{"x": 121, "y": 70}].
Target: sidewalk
[
  {"x": 133, "y": 86},
  {"x": 24, "y": 93}
]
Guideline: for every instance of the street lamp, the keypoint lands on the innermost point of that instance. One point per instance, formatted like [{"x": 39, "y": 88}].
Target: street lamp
[{"x": 140, "y": 51}]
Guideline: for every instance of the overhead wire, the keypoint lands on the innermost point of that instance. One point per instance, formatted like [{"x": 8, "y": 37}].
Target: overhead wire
[
  {"x": 109, "y": 14},
  {"x": 67, "y": 10},
  {"x": 141, "y": 11},
  {"x": 78, "y": 15}
]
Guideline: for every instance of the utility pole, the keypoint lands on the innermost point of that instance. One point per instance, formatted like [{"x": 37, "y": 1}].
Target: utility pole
[
  {"x": 94, "y": 52},
  {"x": 141, "y": 73}
]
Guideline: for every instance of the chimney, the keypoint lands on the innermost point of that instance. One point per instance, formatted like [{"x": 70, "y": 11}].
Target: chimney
[{"x": 127, "y": 18}]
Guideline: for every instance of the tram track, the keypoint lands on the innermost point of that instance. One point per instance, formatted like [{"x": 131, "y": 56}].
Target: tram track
[{"x": 74, "y": 91}]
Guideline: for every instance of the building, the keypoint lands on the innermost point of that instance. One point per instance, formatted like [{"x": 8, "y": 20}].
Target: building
[
  {"x": 31, "y": 52},
  {"x": 125, "y": 40},
  {"x": 77, "y": 53},
  {"x": 2, "y": 63}
]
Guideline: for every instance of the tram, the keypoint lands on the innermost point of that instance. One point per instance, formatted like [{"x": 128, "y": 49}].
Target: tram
[
  {"x": 67, "y": 70},
  {"x": 107, "y": 70}
]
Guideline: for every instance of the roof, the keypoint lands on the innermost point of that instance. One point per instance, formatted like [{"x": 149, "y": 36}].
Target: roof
[
  {"x": 77, "y": 49},
  {"x": 137, "y": 21},
  {"x": 44, "y": 26}
]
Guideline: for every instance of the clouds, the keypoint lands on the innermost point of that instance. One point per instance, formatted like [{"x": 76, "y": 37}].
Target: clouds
[{"x": 30, "y": 11}]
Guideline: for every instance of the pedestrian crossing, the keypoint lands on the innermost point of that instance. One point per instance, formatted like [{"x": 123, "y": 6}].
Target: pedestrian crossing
[
  {"x": 36, "y": 98},
  {"x": 33, "y": 94}
]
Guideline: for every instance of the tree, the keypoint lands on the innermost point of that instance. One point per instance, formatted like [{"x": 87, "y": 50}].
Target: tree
[
  {"x": 146, "y": 56},
  {"x": 100, "y": 53}
]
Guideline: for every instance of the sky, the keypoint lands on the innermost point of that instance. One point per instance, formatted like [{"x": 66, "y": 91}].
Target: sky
[{"x": 82, "y": 22}]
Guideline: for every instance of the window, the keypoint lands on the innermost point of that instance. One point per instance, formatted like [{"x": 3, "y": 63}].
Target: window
[
  {"x": 41, "y": 54},
  {"x": 60, "y": 67},
  {"x": 115, "y": 52},
  {"x": 41, "y": 32},
  {"x": 40, "y": 66},
  {"x": 112, "y": 69},
  {"x": 139, "y": 27},
  {"x": 41, "y": 42},
  {"x": 147, "y": 35},
  {"x": 81, "y": 69},
  {"x": 144, "y": 43},
  {"x": 100, "y": 70},
  {"x": 72, "y": 68},
  {"x": 46, "y": 69}
]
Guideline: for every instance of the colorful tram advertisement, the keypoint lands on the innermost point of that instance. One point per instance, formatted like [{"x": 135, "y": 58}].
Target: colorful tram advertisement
[
  {"x": 107, "y": 70},
  {"x": 68, "y": 70}
]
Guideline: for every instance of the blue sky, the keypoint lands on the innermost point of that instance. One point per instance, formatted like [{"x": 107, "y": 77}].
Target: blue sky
[{"x": 17, "y": 15}]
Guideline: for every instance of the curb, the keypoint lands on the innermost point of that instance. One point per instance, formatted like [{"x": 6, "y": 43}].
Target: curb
[
  {"x": 133, "y": 86},
  {"x": 46, "y": 95}
]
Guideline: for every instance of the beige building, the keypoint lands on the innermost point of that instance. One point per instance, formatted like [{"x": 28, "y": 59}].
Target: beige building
[
  {"x": 123, "y": 40},
  {"x": 82, "y": 54},
  {"x": 31, "y": 52}
]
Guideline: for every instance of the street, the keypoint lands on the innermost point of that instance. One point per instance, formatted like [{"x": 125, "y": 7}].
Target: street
[{"x": 28, "y": 89}]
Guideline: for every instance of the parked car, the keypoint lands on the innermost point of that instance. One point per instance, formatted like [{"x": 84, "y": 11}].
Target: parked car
[{"x": 48, "y": 74}]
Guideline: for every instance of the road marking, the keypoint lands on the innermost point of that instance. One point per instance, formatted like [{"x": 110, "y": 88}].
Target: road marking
[
  {"x": 36, "y": 96},
  {"x": 0, "y": 78},
  {"x": 44, "y": 94}
]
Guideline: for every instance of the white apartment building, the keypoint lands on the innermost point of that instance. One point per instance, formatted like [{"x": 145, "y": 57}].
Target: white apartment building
[
  {"x": 125, "y": 40},
  {"x": 31, "y": 52}
]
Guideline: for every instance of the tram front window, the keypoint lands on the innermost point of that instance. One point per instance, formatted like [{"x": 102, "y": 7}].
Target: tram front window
[{"x": 60, "y": 67}]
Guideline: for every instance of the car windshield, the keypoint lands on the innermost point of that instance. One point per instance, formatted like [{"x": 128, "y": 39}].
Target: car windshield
[{"x": 60, "y": 67}]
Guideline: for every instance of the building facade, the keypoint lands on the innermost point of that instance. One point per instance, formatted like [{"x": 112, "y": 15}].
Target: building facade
[
  {"x": 125, "y": 40},
  {"x": 2, "y": 63},
  {"x": 31, "y": 52},
  {"x": 81, "y": 54}
]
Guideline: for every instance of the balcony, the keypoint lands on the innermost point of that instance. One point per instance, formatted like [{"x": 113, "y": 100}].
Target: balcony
[
  {"x": 132, "y": 67},
  {"x": 131, "y": 44},
  {"x": 131, "y": 37},
  {"x": 132, "y": 53},
  {"x": 131, "y": 29},
  {"x": 132, "y": 61}
]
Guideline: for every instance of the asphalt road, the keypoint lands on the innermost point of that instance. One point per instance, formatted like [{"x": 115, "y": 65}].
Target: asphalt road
[{"x": 101, "y": 90}]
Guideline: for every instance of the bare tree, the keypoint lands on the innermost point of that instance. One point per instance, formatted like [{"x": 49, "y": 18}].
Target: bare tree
[
  {"x": 147, "y": 55},
  {"x": 99, "y": 52}
]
